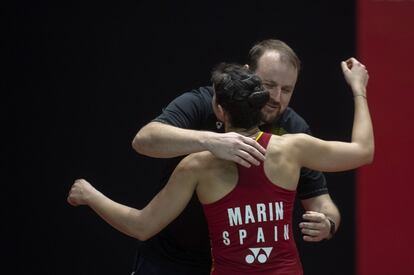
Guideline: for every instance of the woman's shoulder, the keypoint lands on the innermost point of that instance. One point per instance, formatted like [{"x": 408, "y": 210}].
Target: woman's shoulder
[
  {"x": 204, "y": 160},
  {"x": 285, "y": 143}
]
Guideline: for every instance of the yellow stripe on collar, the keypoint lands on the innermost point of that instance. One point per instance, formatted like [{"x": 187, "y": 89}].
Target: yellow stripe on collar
[{"x": 259, "y": 135}]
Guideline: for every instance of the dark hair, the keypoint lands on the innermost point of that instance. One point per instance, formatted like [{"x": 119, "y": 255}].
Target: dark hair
[
  {"x": 240, "y": 92},
  {"x": 287, "y": 54}
]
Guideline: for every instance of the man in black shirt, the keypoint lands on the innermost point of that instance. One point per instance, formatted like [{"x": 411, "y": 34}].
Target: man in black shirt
[{"x": 188, "y": 125}]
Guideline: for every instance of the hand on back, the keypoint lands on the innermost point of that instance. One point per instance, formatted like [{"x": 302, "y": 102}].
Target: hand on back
[{"x": 238, "y": 148}]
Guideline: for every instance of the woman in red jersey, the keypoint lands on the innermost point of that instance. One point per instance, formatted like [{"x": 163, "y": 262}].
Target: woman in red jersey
[{"x": 248, "y": 210}]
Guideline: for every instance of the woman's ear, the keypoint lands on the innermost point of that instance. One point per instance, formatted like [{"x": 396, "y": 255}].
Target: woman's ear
[
  {"x": 220, "y": 113},
  {"x": 218, "y": 110}
]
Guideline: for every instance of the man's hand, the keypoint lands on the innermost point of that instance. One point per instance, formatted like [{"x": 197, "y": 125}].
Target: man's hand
[
  {"x": 235, "y": 147},
  {"x": 316, "y": 226},
  {"x": 80, "y": 192}
]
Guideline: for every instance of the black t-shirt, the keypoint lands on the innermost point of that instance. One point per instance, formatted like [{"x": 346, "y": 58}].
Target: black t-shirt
[{"x": 185, "y": 241}]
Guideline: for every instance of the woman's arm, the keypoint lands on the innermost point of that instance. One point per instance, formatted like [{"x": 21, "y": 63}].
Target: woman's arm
[
  {"x": 332, "y": 156},
  {"x": 145, "y": 223}
]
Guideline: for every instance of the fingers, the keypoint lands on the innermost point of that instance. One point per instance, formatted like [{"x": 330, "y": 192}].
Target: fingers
[
  {"x": 311, "y": 232},
  {"x": 312, "y": 235},
  {"x": 256, "y": 149},
  {"x": 249, "y": 152},
  {"x": 313, "y": 216},
  {"x": 232, "y": 146},
  {"x": 351, "y": 63},
  {"x": 71, "y": 201},
  {"x": 76, "y": 192},
  {"x": 345, "y": 67},
  {"x": 72, "y": 194},
  {"x": 348, "y": 64},
  {"x": 311, "y": 239},
  {"x": 245, "y": 159},
  {"x": 241, "y": 161},
  {"x": 315, "y": 228},
  {"x": 310, "y": 225},
  {"x": 79, "y": 181},
  {"x": 312, "y": 229},
  {"x": 70, "y": 198}
]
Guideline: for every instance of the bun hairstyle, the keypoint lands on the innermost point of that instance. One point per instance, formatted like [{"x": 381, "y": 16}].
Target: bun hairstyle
[{"x": 240, "y": 92}]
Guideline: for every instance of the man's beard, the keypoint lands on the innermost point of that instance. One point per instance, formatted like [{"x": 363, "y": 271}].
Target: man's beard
[{"x": 270, "y": 117}]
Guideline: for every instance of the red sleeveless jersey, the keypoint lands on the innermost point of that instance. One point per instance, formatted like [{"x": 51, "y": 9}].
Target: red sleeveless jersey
[{"x": 251, "y": 227}]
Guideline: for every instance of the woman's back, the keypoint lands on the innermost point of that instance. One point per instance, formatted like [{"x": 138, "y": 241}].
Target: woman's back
[
  {"x": 249, "y": 218},
  {"x": 219, "y": 177}
]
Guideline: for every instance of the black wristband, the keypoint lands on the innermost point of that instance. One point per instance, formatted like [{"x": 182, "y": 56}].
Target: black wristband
[{"x": 332, "y": 228}]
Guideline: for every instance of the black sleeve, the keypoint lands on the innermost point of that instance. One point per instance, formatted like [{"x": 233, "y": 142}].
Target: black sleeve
[
  {"x": 188, "y": 110},
  {"x": 311, "y": 183}
]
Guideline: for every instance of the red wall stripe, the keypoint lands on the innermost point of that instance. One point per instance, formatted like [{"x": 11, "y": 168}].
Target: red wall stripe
[{"x": 385, "y": 228}]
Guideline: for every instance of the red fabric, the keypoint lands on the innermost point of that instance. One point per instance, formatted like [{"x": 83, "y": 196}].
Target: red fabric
[
  {"x": 242, "y": 226},
  {"x": 385, "y": 188}
]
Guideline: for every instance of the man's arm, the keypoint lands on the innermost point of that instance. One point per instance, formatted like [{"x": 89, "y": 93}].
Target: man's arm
[
  {"x": 320, "y": 209},
  {"x": 177, "y": 134},
  {"x": 161, "y": 140}
]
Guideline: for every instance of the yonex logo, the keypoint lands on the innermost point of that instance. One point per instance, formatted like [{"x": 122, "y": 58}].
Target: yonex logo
[{"x": 259, "y": 253}]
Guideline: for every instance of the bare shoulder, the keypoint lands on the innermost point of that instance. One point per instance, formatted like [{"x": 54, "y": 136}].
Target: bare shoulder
[
  {"x": 204, "y": 163},
  {"x": 287, "y": 143},
  {"x": 295, "y": 137},
  {"x": 276, "y": 142},
  {"x": 191, "y": 168},
  {"x": 201, "y": 161},
  {"x": 302, "y": 140},
  {"x": 291, "y": 139},
  {"x": 281, "y": 165}
]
